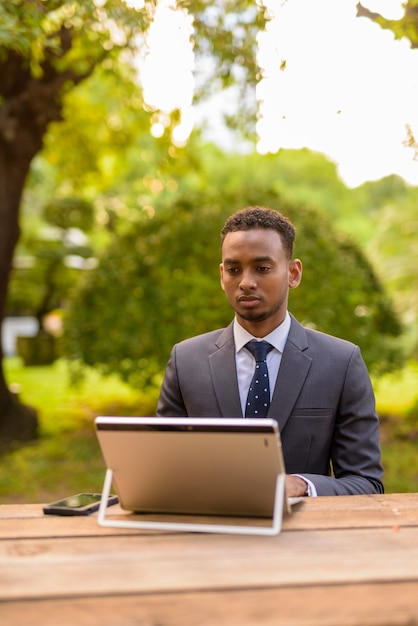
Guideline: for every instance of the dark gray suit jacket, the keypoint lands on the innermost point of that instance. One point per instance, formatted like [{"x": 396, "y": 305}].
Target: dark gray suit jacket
[{"x": 323, "y": 401}]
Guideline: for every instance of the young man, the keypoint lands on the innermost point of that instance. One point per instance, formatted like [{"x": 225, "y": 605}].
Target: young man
[{"x": 318, "y": 385}]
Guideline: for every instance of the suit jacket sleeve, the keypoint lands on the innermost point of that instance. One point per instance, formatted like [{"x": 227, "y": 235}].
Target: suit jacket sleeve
[{"x": 355, "y": 443}]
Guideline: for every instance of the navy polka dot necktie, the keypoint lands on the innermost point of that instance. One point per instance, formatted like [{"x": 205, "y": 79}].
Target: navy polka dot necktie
[{"x": 258, "y": 400}]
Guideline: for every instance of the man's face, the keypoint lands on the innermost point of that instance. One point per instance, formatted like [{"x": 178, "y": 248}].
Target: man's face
[{"x": 256, "y": 274}]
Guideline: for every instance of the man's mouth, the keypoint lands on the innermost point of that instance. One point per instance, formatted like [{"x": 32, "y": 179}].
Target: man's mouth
[{"x": 248, "y": 301}]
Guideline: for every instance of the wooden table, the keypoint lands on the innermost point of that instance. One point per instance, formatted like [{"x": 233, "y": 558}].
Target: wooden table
[{"x": 338, "y": 561}]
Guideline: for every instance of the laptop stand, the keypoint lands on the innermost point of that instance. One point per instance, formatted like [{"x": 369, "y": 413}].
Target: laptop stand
[{"x": 274, "y": 529}]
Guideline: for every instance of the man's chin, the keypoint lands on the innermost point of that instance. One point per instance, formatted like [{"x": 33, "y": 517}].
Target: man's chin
[{"x": 252, "y": 316}]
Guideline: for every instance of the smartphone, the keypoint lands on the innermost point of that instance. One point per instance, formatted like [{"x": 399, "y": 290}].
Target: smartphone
[{"x": 80, "y": 504}]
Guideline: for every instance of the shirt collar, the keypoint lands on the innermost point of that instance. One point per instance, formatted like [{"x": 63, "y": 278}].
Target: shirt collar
[{"x": 277, "y": 337}]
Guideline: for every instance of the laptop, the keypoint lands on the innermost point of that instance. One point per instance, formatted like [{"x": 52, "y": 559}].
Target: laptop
[{"x": 230, "y": 469}]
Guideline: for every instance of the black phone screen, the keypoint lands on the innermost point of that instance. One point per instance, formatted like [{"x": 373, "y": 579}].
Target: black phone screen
[{"x": 79, "y": 501}]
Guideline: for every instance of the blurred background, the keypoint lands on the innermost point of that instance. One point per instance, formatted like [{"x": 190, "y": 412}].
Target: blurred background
[{"x": 129, "y": 131}]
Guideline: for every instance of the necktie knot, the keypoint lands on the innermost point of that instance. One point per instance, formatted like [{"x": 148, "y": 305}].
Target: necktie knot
[{"x": 259, "y": 349}]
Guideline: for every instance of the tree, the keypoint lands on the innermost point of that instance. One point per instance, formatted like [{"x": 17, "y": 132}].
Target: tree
[
  {"x": 46, "y": 50},
  {"x": 49, "y": 266},
  {"x": 401, "y": 273},
  {"x": 395, "y": 248},
  {"x": 167, "y": 287},
  {"x": 406, "y": 26}
]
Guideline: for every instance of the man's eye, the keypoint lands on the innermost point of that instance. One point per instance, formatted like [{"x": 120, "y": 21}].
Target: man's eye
[
  {"x": 232, "y": 270},
  {"x": 263, "y": 268}
]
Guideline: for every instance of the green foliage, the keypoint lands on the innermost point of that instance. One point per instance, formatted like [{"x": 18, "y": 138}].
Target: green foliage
[
  {"x": 68, "y": 213},
  {"x": 159, "y": 284},
  {"x": 400, "y": 464},
  {"x": 373, "y": 195},
  {"x": 40, "y": 280},
  {"x": 104, "y": 147},
  {"x": 394, "y": 248},
  {"x": 67, "y": 34},
  {"x": 406, "y": 26},
  {"x": 412, "y": 419},
  {"x": 71, "y": 38},
  {"x": 397, "y": 391},
  {"x": 303, "y": 176},
  {"x": 49, "y": 260}
]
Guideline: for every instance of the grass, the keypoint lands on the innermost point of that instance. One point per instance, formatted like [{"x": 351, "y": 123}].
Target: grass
[
  {"x": 396, "y": 394},
  {"x": 66, "y": 458}
]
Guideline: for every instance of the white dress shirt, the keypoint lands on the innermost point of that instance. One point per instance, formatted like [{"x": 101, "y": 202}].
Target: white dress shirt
[{"x": 245, "y": 360}]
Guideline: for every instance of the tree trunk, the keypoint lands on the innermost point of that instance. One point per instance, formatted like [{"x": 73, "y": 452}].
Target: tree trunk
[
  {"x": 28, "y": 105},
  {"x": 17, "y": 421}
]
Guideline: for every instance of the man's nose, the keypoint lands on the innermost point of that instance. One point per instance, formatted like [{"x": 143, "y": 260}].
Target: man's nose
[{"x": 247, "y": 281}]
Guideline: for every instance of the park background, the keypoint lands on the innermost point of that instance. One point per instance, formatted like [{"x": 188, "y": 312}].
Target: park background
[{"x": 123, "y": 201}]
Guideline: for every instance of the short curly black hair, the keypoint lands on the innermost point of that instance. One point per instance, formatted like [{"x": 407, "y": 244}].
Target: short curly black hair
[{"x": 261, "y": 217}]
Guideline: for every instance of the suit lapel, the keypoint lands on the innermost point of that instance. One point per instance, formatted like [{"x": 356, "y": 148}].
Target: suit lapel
[
  {"x": 224, "y": 376},
  {"x": 293, "y": 371}
]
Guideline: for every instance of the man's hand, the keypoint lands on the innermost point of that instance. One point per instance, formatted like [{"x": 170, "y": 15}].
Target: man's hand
[{"x": 295, "y": 486}]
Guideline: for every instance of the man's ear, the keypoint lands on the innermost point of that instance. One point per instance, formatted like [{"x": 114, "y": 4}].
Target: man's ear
[
  {"x": 295, "y": 273},
  {"x": 221, "y": 270}
]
